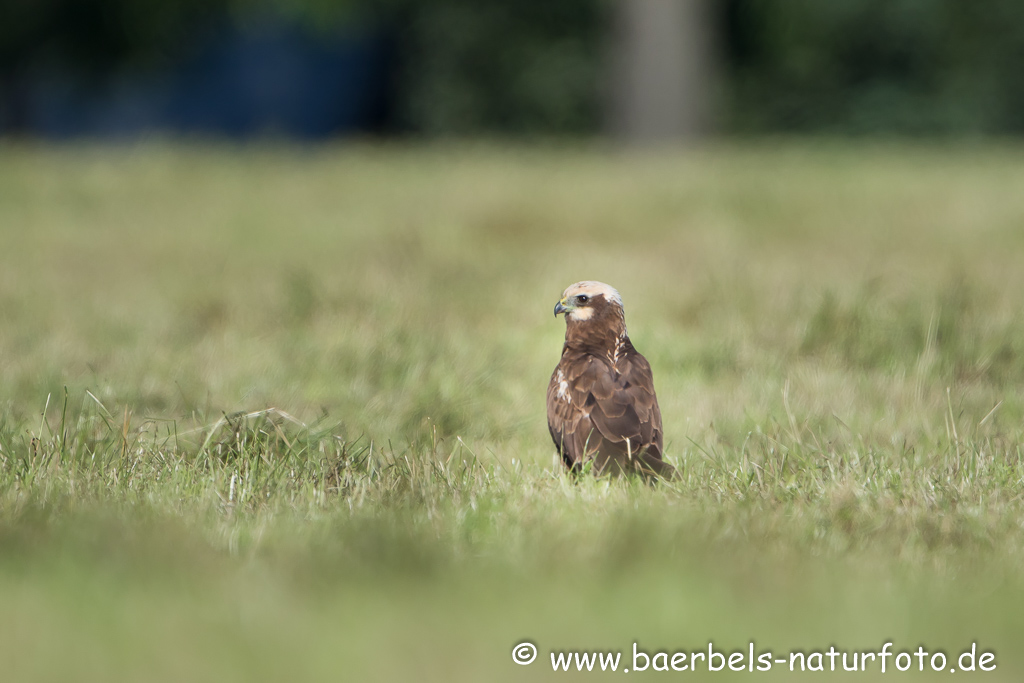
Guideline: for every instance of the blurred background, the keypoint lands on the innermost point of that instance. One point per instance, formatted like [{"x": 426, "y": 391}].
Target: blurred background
[
  {"x": 274, "y": 410},
  {"x": 638, "y": 70}
]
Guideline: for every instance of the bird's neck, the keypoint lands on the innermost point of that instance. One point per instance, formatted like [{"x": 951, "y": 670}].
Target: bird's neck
[{"x": 602, "y": 332}]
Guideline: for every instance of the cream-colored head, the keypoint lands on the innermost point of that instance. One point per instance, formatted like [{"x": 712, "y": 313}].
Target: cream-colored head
[{"x": 582, "y": 300}]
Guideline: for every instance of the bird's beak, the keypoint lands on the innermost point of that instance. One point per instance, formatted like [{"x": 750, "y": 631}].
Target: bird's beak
[{"x": 560, "y": 307}]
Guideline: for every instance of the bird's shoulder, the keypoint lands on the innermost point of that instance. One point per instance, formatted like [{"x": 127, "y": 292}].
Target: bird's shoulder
[{"x": 583, "y": 367}]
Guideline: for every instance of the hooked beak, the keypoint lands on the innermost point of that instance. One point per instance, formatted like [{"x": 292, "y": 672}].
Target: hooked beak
[{"x": 560, "y": 308}]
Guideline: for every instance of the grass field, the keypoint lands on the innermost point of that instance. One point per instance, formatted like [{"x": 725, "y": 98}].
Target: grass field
[{"x": 277, "y": 413}]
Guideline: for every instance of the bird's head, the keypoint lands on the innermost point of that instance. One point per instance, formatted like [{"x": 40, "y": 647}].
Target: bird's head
[{"x": 590, "y": 301}]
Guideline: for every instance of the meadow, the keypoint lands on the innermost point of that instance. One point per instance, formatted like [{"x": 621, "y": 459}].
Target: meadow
[{"x": 277, "y": 412}]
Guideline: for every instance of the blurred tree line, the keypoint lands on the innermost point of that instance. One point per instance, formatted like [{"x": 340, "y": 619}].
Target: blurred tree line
[
  {"x": 537, "y": 66},
  {"x": 894, "y": 66}
]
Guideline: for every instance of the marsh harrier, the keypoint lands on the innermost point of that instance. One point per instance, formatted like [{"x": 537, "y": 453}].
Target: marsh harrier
[{"x": 601, "y": 402}]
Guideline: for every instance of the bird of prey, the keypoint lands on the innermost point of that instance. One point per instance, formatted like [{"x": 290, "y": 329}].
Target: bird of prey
[{"x": 601, "y": 402}]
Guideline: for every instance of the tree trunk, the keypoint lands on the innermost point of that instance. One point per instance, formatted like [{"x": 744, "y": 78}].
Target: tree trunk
[{"x": 662, "y": 71}]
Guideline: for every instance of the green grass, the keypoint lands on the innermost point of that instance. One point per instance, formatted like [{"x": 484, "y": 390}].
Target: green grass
[{"x": 277, "y": 413}]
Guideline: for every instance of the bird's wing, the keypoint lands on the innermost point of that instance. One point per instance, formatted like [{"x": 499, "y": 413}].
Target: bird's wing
[
  {"x": 637, "y": 382},
  {"x": 595, "y": 406},
  {"x": 624, "y": 406},
  {"x": 566, "y": 417}
]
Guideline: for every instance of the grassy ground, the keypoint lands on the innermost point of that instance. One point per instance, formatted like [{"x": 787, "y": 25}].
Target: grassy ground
[{"x": 278, "y": 413}]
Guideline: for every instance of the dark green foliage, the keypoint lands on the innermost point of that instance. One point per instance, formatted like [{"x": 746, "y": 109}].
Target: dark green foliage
[
  {"x": 920, "y": 67},
  {"x": 868, "y": 66},
  {"x": 459, "y": 67},
  {"x": 94, "y": 34},
  {"x": 509, "y": 66}
]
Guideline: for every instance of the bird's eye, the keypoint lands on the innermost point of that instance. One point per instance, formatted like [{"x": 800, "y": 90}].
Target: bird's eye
[{"x": 582, "y": 298}]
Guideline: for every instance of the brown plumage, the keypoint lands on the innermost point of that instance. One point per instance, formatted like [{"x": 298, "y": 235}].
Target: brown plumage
[{"x": 601, "y": 401}]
